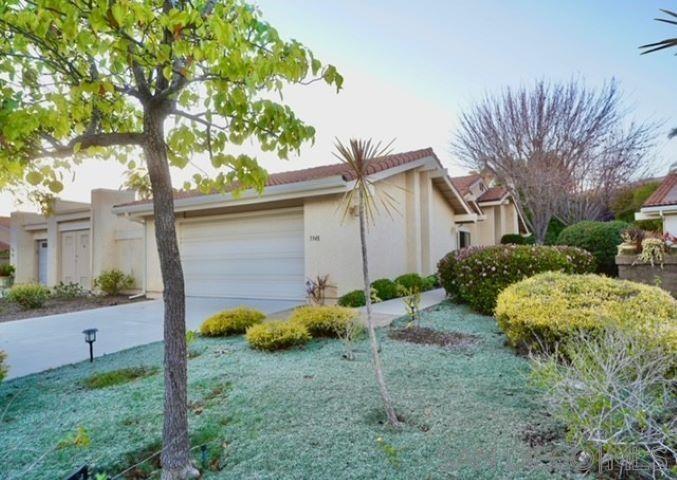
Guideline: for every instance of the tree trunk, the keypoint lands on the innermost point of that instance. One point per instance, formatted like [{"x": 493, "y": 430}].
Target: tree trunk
[
  {"x": 176, "y": 464},
  {"x": 375, "y": 356}
]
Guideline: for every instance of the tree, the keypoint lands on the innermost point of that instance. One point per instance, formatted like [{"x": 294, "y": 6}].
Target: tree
[
  {"x": 561, "y": 149},
  {"x": 169, "y": 81},
  {"x": 358, "y": 156}
]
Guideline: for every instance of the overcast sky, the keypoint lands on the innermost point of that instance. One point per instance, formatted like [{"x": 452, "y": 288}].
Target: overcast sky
[{"x": 411, "y": 67}]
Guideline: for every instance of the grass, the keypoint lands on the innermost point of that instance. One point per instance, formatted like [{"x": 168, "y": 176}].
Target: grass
[
  {"x": 303, "y": 413},
  {"x": 118, "y": 377}
]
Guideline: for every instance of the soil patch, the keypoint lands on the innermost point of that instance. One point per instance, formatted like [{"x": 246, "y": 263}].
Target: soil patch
[
  {"x": 12, "y": 311},
  {"x": 428, "y": 336}
]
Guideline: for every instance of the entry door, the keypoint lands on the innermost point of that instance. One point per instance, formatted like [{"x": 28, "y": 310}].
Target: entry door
[
  {"x": 42, "y": 262},
  {"x": 75, "y": 258},
  {"x": 245, "y": 256}
]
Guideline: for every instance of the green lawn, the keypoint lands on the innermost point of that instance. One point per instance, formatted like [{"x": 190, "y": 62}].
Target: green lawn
[{"x": 297, "y": 414}]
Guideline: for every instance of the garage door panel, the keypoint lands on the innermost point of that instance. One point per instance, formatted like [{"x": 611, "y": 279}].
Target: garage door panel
[{"x": 258, "y": 256}]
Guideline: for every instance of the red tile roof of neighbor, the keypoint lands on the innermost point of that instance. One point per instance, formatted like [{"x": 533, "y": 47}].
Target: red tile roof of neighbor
[
  {"x": 493, "y": 194},
  {"x": 464, "y": 183},
  {"x": 665, "y": 194},
  {"x": 324, "y": 171}
]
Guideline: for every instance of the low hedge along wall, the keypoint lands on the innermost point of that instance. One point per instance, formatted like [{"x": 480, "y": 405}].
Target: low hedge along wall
[
  {"x": 476, "y": 275},
  {"x": 545, "y": 310}
]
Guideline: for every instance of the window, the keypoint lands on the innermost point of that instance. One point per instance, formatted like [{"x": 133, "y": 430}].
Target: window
[{"x": 463, "y": 239}]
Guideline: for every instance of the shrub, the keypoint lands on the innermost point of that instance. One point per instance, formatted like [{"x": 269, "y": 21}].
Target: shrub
[
  {"x": 3, "y": 366},
  {"x": 323, "y": 321},
  {"x": 616, "y": 398},
  {"x": 543, "y": 311},
  {"x": 277, "y": 335},
  {"x": 410, "y": 281},
  {"x": 477, "y": 275},
  {"x": 517, "y": 239},
  {"x": 599, "y": 238},
  {"x": 431, "y": 282},
  {"x": 353, "y": 299},
  {"x": 6, "y": 270},
  {"x": 66, "y": 291},
  {"x": 231, "y": 322},
  {"x": 113, "y": 282},
  {"x": 118, "y": 377},
  {"x": 29, "y": 295},
  {"x": 385, "y": 289}
]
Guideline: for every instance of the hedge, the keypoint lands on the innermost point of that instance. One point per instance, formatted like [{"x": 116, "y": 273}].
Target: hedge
[
  {"x": 353, "y": 299},
  {"x": 324, "y": 321},
  {"x": 385, "y": 289},
  {"x": 476, "y": 275},
  {"x": 545, "y": 310},
  {"x": 277, "y": 335},
  {"x": 28, "y": 295},
  {"x": 231, "y": 322},
  {"x": 599, "y": 238}
]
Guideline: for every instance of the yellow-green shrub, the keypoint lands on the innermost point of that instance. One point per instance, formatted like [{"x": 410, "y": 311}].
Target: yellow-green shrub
[
  {"x": 546, "y": 309},
  {"x": 231, "y": 322},
  {"x": 277, "y": 335},
  {"x": 3, "y": 366},
  {"x": 324, "y": 321}
]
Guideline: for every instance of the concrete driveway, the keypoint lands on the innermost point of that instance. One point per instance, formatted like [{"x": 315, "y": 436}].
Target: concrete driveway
[{"x": 36, "y": 344}]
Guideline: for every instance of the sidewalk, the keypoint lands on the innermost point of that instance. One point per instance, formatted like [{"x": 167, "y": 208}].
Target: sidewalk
[{"x": 385, "y": 312}]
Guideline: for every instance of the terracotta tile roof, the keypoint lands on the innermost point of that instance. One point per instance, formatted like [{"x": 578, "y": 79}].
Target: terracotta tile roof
[
  {"x": 666, "y": 194},
  {"x": 464, "y": 183},
  {"x": 4, "y": 221},
  {"x": 493, "y": 194},
  {"x": 324, "y": 171}
]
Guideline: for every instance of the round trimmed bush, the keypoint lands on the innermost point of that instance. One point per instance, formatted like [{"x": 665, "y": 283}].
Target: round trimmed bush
[
  {"x": 477, "y": 275},
  {"x": 545, "y": 310},
  {"x": 517, "y": 239},
  {"x": 231, "y": 322},
  {"x": 410, "y": 281},
  {"x": 277, "y": 335},
  {"x": 431, "y": 282},
  {"x": 599, "y": 238},
  {"x": 353, "y": 299},
  {"x": 385, "y": 289},
  {"x": 324, "y": 321},
  {"x": 29, "y": 295}
]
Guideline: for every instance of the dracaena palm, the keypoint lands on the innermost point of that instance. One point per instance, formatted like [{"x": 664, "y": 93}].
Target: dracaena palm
[{"x": 359, "y": 156}]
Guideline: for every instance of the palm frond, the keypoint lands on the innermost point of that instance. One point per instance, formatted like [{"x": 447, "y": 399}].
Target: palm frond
[
  {"x": 358, "y": 156},
  {"x": 663, "y": 44}
]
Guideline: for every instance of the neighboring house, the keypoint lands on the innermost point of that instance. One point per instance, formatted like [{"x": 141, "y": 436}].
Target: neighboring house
[
  {"x": 266, "y": 246},
  {"x": 662, "y": 204},
  {"x": 4, "y": 240}
]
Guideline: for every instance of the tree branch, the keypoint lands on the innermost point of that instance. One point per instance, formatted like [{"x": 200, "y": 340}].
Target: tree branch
[{"x": 87, "y": 140}]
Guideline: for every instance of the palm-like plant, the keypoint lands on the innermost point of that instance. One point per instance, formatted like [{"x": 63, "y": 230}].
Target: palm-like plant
[
  {"x": 663, "y": 44},
  {"x": 358, "y": 157}
]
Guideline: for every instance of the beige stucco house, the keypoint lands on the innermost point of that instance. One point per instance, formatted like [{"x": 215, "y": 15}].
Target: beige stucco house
[
  {"x": 266, "y": 246},
  {"x": 4, "y": 239}
]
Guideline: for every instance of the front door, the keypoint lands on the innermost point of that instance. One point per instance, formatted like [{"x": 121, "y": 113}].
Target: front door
[
  {"x": 42, "y": 262},
  {"x": 75, "y": 258}
]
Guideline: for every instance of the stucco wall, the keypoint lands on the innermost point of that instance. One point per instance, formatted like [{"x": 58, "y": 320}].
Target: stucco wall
[
  {"x": 23, "y": 246},
  {"x": 670, "y": 224},
  {"x": 665, "y": 277},
  {"x": 116, "y": 241},
  {"x": 444, "y": 236}
]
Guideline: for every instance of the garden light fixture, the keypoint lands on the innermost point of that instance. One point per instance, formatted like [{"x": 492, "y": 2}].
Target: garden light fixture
[{"x": 90, "y": 337}]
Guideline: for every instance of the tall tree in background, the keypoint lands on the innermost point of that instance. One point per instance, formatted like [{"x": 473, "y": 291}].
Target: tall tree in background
[
  {"x": 166, "y": 81},
  {"x": 560, "y": 148},
  {"x": 358, "y": 156}
]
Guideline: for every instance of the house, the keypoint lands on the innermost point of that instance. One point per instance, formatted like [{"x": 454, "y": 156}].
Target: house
[
  {"x": 662, "y": 204},
  {"x": 266, "y": 246}
]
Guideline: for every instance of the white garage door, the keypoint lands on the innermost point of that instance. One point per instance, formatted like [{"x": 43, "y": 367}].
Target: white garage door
[{"x": 245, "y": 256}]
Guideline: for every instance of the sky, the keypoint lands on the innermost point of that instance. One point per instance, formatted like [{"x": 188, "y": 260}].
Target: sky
[{"x": 411, "y": 68}]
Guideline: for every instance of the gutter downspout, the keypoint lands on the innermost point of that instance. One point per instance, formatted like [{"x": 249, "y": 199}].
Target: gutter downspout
[{"x": 144, "y": 282}]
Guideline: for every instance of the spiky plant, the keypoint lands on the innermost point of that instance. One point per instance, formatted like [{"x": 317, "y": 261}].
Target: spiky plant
[{"x": 358, "y": 156}]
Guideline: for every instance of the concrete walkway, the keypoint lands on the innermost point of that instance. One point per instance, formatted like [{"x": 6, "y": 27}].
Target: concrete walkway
[
  {"x": 36, "y": 344},
  {"x": 385, "y": 312}
]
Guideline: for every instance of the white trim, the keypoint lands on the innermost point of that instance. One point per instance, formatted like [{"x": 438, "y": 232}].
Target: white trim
[
  {"x": 658, "y": 210},
  {"x": 72, "y": 226},
  {"x": 468, "y": 218}
]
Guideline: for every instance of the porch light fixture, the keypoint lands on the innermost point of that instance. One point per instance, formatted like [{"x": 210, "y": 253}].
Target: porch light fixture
[{"x": 90, "y": 337}]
